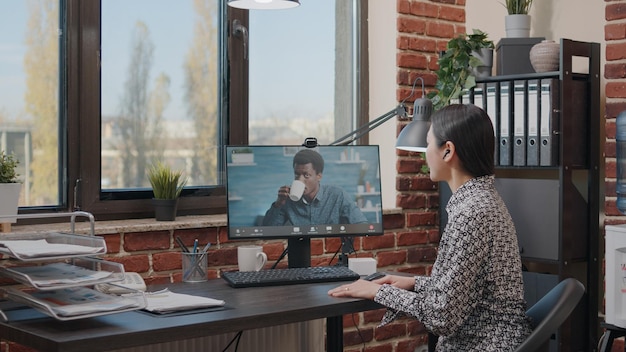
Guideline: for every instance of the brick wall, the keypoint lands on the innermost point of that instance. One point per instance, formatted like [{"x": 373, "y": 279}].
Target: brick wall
[
  {"x": 614, "y": 74},
  {"x": 615, "y": 91}
]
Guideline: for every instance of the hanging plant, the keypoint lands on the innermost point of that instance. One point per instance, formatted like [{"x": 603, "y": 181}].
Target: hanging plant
[{"x": 455, "y": 75}]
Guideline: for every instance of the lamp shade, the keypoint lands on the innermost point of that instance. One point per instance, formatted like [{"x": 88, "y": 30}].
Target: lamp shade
[
  {"x": 263, "y": 4},
  {"x": 413, "y": 136}
]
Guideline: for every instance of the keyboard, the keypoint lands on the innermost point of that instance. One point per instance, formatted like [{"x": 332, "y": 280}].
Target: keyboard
[{"x": 291, "y": 276}]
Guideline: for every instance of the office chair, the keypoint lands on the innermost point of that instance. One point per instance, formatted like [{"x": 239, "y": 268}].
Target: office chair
[{"x": 550, "y": 312}]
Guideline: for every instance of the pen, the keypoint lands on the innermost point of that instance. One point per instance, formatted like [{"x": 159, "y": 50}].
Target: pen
[
  {"x": 206, "y": 248},
  {"x": 182, "y": 245},
  {"x": 195, "y": 246}
]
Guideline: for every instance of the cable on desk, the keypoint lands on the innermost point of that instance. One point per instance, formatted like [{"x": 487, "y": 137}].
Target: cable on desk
[
  {"x": 282, "y": 255},
  {"x": 237, "y": 338},
  {"x": 358, "y": 331}
]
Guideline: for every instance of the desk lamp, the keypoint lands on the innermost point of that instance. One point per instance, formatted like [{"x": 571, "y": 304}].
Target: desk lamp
[
  {"x": 413, "y": 136},
  {"x": 263, "y": 4}
]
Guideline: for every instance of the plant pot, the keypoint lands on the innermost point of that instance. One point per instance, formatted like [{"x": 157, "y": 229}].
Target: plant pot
[
  {"x": 485, "y": 55},
  {"x": 165, "y": 209},
  {"x": 517, "y": 26},
  {"x": 10, "y": 195}
]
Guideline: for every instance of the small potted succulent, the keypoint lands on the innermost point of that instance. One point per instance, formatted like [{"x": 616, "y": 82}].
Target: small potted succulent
[
  {"x": 167, "y": 184},
  {"x": 10, "y": 188}
]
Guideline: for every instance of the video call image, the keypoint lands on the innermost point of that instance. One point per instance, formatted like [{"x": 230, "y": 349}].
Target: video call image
[{"x": 259, "y": 179}]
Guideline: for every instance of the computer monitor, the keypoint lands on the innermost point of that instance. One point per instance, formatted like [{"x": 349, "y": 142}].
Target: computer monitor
[{"x": 344, "y": 182}]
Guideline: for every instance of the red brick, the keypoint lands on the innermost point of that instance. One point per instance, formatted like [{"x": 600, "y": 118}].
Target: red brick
[
  {"x": 166, "y": 261},
  {"x": 613, "y": 109},
  {"x": 379, "y": 242},
  {"x": 615, "y": 51},
  {"x": 454, "y": 14},
  {"x": 139, "y": 263},
  {"x": 616, "y": 89},
  {"x": 440, "y": 30},
  {"x": 351, "y": 338},
  {"x": 615, "y": 31},
  {"x": 425, "y": 9},
  {"x": 113, "y": 242},
  {"x": 615, "y": 71},
  {"x": 393, "y": 221},
  {"x": 142, "y": 241},
  {"x": 373, "y": 316},
  {"x": 411, "y": 25},
  {"x": 411, "y": 60},
  {"x": 412, "y": 238},
  {"x": 615, "y": 11},
  {"x": 390, "y": 331},
  {"x": 421, "y": 218},
  {"x": 391, "y": 258},
  {"x": 421, "y": 254}
]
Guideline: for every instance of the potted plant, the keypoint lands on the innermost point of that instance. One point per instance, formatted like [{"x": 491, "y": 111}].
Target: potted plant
[
  {"x": 9, "y": 189},
  {"x": 517, "y": 22},
  {"x": 166, "y": 186},
  {"x": 457, "y": 67}
]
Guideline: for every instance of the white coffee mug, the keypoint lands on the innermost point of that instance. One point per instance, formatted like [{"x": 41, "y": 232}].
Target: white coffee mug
[
  {"x": 251, "y": 258},
  {"x": 296, "y": 191}
]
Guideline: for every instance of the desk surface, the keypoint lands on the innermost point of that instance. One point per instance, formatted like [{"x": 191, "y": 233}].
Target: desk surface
[{"x": 246, "y": 308}]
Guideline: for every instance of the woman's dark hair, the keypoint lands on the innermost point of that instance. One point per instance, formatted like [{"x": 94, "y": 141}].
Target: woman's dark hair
[
  {"x": 470, "y": 129},
  {"x": 306, "y": 156}
]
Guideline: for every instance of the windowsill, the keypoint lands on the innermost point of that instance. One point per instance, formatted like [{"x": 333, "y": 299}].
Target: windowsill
[
  {"x": 126, "y": 226},
  {"x": 140, "y": 225}
]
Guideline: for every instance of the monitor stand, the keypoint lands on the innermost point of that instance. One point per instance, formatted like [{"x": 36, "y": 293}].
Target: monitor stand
[{"x": 299, "y": 255}]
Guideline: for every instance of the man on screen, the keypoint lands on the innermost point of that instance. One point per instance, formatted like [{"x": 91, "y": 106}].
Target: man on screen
[{"x": 319, "y": 204}]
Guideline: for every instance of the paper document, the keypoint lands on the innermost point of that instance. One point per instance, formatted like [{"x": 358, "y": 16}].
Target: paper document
[
  {"x": 165, "y": 301},
  {"x": 41, "y": 248},
  {"x": 59, "y": 274},
  {"x": 81, "y": 300}
]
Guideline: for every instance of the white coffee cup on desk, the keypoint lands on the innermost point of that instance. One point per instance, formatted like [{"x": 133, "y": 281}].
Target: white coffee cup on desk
[
  {"x": 296, "y": 190},
  {"x": 251, "y": 258}
]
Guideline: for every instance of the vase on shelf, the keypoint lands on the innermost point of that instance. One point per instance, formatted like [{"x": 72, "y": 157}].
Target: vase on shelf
[{"x": 545, "y": 56}]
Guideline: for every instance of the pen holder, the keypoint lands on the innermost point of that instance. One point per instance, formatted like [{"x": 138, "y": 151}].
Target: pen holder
[{"x": 194, "y": 267}]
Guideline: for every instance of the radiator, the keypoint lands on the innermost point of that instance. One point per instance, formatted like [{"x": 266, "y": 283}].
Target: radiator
[{"x": 306, "y": 337}]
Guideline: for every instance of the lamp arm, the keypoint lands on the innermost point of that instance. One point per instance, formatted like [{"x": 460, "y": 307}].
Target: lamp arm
[{"x": 356, "y": 134}]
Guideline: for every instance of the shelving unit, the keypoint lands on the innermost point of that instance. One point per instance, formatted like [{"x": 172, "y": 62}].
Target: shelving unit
[
  {"x": 55, "y": 270},
  {"x": 553, "y": 195}
]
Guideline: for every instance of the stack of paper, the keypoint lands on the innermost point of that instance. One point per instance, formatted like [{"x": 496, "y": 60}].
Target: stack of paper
[
  {"x": 41, "y": 248},
  {"x": 57, "y": 274},
  {"x": 81, "y": 301},
  {"x": 165, "y": 301}
]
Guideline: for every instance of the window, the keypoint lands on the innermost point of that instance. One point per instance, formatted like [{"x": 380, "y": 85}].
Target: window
[
  {"x": 147, "y": 80},
  {"x": 29, "y": 109}
]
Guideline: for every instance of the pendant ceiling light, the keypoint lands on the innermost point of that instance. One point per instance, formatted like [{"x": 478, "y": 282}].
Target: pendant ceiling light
[{"x": 263, "y": 4}]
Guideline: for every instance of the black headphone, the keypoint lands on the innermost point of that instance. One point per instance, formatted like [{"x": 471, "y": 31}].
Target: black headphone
[{"x": 446, "y": 153}]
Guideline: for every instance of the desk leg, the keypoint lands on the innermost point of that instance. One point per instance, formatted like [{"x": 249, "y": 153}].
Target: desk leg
[{"x": 334, "y": 334}]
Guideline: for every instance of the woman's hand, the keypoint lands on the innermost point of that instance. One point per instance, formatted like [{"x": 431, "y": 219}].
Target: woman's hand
[
  {"x": 357, "y": 289},
  {"x": 403, "y": 282}
]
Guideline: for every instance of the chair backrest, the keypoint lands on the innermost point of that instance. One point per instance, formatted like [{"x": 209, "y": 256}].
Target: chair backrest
[{"x": 550, "y": 312}]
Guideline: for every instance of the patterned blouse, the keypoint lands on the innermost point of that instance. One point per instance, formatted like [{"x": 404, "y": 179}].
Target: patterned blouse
[{"x": 474, "y": 297}]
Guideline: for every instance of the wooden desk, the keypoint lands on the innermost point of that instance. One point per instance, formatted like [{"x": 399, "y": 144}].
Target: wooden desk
[{"x": 246, "y": 308}]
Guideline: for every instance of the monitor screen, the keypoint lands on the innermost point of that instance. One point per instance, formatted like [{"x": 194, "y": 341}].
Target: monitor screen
[{"x": 335, "y": 191}]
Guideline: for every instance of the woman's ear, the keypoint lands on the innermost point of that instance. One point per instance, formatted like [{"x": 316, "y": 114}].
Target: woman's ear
[{"x": 450, "y": 149}]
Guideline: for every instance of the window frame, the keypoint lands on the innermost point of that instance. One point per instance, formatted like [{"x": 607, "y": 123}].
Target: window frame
[{"x": 80, "y": 146}]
